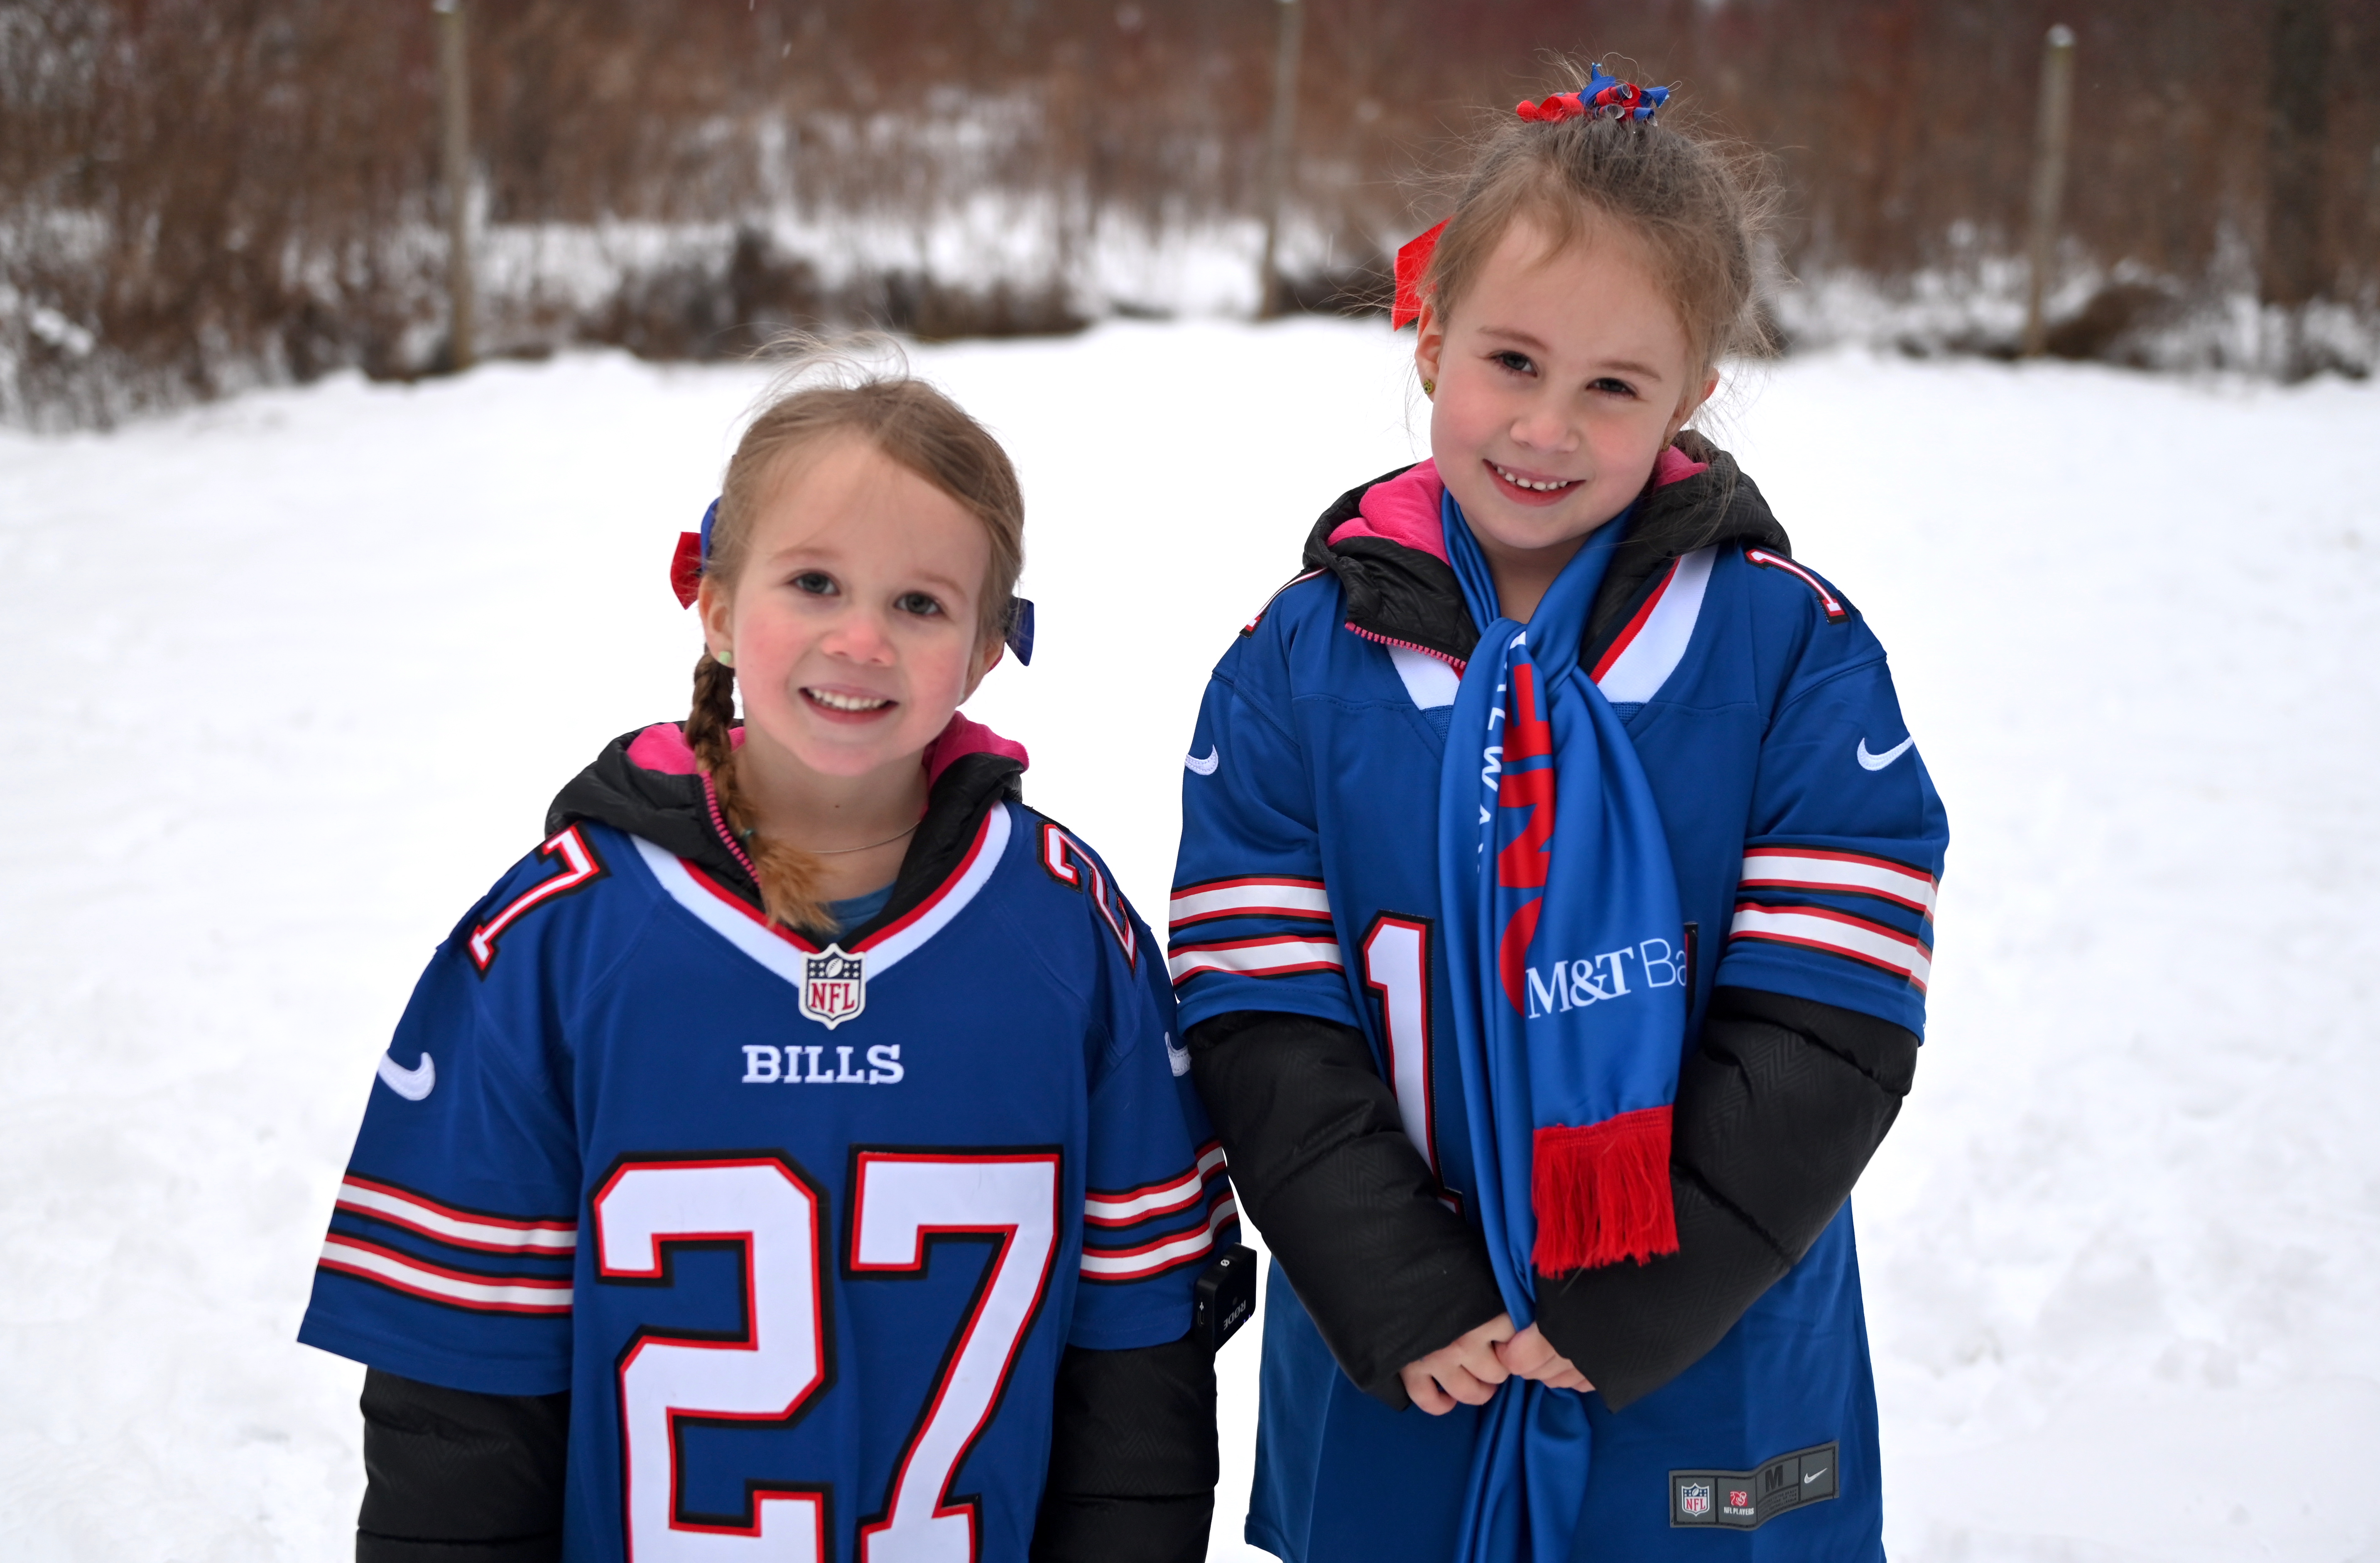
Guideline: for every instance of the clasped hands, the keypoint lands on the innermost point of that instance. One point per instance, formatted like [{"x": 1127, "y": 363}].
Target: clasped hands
[{"x": 1470, "y": 1369}]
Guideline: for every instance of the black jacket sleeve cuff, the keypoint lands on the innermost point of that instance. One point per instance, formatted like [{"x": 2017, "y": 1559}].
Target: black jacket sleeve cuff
[
  {"x": 1777, "y": 1113},
  {"x": 453, "y": 1476},
  {"x": 1133, "y": 1464},
  {"x": 1321, "y": 1164}
]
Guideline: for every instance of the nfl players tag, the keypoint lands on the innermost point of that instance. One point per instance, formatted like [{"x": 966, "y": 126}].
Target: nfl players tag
[
  {"x": 834, "y": 986},
  {"x": 1745, "y": 1500}
]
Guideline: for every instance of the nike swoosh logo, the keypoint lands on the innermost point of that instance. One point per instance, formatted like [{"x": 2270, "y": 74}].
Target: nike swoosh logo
[
  {"x": 412, "y": 1084},
  {"x": 1205, "y": 765},
  {"x": 1177, "y": 1057},
  {"x": 1814, "y": 1476},
  {"x": 1878, "y": 762}
]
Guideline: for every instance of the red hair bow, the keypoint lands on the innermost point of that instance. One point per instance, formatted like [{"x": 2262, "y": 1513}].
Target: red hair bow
[
  {"x": 1413, "y": 260},
  {"x": 686, "y": 567},
  {"x": 1553, "y": 111}
]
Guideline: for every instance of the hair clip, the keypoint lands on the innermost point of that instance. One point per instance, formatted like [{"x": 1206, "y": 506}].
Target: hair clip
[
  {"x": 1412, "y": 259},
  {"x": 1020, "y": 630},
  {"x": 1602, "y": 97},
  {"x": 693, "y": 552}
]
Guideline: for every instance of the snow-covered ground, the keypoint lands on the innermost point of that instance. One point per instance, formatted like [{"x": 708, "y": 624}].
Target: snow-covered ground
[{"x": 289, "y": 679}]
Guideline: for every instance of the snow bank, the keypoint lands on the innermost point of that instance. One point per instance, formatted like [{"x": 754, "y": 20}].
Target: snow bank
[{"x": 294, "y": 675}]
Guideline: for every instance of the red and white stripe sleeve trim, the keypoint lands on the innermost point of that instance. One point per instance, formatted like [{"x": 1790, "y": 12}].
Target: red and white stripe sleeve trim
[
  {"x": 1835, "y": 933},
  {"x": 1253, "y": 896},
  {"x": 1827, "y": 599},
  {"x": 487, "y": 1294},
  {"x": 361, "y": 1196},
  {"x": 1151, "y": 1259},
  {"x": 1155, "y": 1198},
  {"x": 1281, "y": 956},
  {"x": 1852, "y": 874}
]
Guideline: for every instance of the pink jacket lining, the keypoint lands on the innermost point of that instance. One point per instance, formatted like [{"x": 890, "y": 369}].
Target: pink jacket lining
[
  {"x": 662, "y": 747},
  {"x": 1405, "y": 508}
]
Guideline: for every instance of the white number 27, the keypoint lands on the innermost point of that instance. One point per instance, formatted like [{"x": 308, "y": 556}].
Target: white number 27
[{"x": 901, "y": 1200}]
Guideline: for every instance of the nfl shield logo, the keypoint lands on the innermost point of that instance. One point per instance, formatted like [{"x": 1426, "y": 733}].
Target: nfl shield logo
[
  {"x": 834, "y": 986},
  {"x": 1693, "y": 1497}
]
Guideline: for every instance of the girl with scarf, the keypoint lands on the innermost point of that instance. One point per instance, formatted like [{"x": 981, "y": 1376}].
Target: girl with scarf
[{"x": 1553, "y": 918}]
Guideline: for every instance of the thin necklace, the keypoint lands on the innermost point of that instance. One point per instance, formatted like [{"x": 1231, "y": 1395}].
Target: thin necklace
[{"x": 839, "y": 852}]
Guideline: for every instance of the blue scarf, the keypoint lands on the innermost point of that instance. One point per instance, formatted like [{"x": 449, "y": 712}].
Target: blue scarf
[{"x": 1561, "y": 913}]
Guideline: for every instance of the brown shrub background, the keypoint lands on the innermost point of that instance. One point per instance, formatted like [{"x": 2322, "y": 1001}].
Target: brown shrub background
[{"x": 222, "y": 190}]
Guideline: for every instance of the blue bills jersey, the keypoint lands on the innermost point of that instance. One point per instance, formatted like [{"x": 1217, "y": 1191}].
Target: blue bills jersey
[
  {"x": 804, "y": 1230},
  {"x": 1807, "y": 840}
]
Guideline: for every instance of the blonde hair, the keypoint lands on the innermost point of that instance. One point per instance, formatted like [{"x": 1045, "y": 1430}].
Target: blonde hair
[
  {"x": 1702, "y": 207},
  {"x": 911, "y": 423}
]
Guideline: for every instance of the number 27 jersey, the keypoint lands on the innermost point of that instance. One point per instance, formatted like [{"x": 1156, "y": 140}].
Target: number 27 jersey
[{"x": 804, "y": 1230}]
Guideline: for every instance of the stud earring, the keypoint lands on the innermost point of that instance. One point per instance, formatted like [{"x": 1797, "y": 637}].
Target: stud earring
[
  {"x": 1429, "y": 387},
  {"x": 724, "y": 659}
]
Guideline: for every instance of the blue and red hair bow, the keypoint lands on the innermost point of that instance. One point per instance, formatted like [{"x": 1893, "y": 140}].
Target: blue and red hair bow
[{"x": 1602, "y": 97}]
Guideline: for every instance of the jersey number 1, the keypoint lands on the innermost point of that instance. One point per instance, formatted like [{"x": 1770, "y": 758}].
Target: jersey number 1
[
  {"x": 1396, "y": 967},
  {"x": 900, "y": 1201}
]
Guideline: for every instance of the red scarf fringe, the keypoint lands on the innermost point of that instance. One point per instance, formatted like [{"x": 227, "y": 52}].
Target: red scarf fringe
[{"x": 1602, "y": 1193}]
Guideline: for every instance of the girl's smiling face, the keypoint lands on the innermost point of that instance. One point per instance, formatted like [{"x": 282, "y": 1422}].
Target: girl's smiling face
[
  {"x": 1560, "y": 376},
  {"x": 854, "y": 624}
]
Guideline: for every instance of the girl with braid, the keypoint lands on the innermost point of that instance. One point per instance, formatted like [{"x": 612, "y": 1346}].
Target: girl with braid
[{"x": 792, "y": 1156}]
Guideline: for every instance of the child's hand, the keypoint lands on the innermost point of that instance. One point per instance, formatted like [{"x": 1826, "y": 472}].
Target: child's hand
[
  {"x": 1467, "y": 1371},
  {"x": 1530, "y": 1355}
]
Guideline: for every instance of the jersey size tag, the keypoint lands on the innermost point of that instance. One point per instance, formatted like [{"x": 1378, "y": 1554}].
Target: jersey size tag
[
  {"x": 834, "y": 986},
  {"x": 1747, "y": 1500}
]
